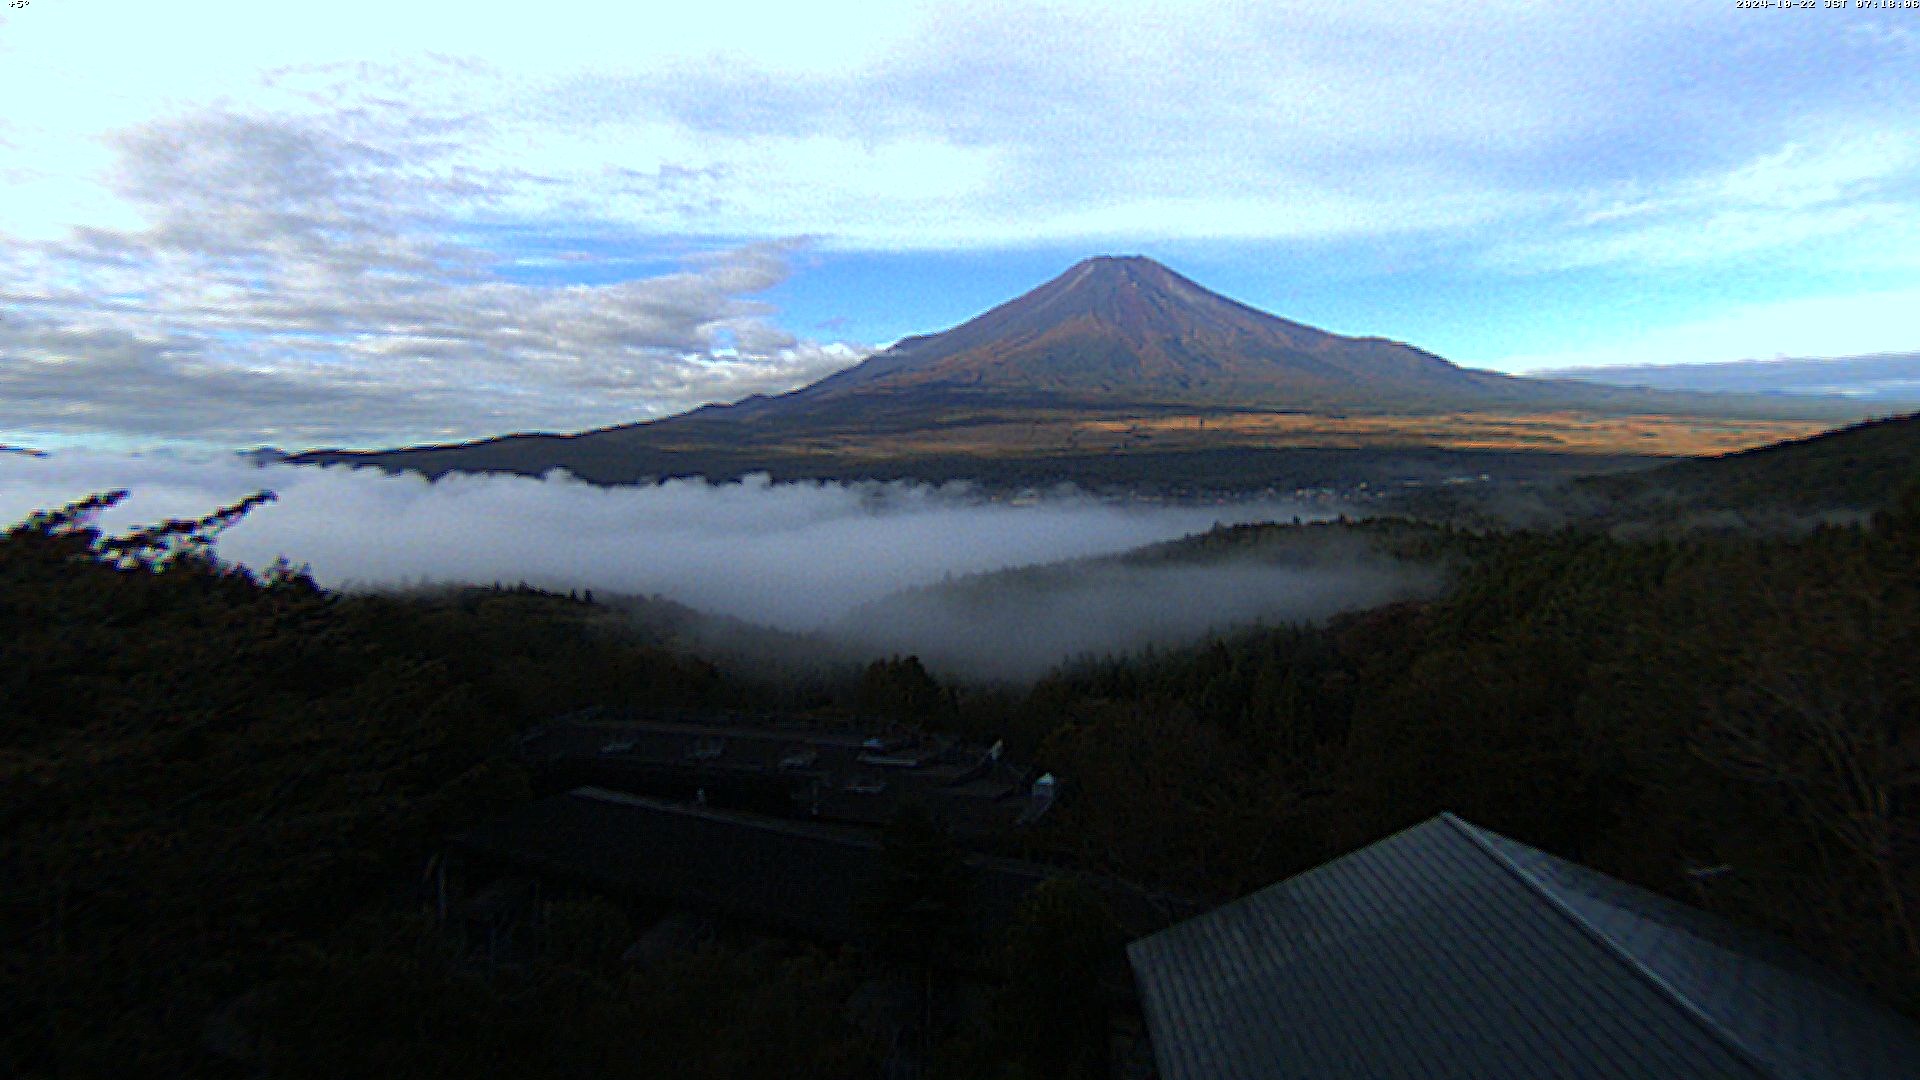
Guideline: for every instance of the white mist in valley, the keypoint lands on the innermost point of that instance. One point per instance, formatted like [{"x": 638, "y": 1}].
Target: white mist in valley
[
  {"x": 1016, "y": 627},
  {"x": 871, "y": 568}
]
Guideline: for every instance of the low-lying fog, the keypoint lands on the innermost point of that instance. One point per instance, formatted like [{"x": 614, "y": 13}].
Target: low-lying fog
[
  {"x": 801, "y": 556},
  {"x": 1006, "y": 630}
]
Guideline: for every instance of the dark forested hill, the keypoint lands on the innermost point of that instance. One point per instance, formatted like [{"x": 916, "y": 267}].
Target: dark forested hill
[
  {"x": 1864, "y": 467},
  {"x": 218, "y": 789},
  {"x": 1723, "y": 719}
]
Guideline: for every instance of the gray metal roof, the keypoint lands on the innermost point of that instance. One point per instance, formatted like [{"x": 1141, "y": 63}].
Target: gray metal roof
[
  {"x": 1448, "y": 951},
  {"x": 801, "y": 876}
]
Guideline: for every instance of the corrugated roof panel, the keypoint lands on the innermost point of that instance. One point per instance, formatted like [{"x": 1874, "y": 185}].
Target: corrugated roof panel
[
  {"x": 1781, "y": 1007},
  {"x": 1437, "y": 954}
]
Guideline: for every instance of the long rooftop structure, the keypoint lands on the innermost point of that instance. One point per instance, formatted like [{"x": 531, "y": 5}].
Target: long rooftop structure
[
  {"x": 1447, "y": 950},
  {"x": 784, "y": 768},
  {"x": 801, "y": 877}
]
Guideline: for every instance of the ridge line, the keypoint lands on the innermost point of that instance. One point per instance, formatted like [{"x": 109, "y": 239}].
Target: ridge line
[{"x": 1714, "y": 1028}]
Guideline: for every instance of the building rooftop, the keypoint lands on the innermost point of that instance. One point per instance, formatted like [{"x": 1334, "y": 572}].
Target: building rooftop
[
  {"x": 1447, "y": 950},
  {"x": 802, "y": 877},
  {"x": 857, "y": 777}
]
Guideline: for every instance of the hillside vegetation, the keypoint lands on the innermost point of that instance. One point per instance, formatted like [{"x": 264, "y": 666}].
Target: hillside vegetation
[
  {"x": 217, "y": 789},
  {"x": 217, "y": 792},
  {"x": 1650, "y": 708},
  {"x": 1864, "y": 466}
]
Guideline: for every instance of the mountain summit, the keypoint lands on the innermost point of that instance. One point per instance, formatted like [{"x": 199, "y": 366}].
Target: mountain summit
[
  {"x": 1127, "y": 330},
  {"x": 1121, "y": 370}
]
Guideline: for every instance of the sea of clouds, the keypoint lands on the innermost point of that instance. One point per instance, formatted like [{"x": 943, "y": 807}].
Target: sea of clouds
[
  {"x": 796, "y": 556},
  {"x": 858, "y": 567}
]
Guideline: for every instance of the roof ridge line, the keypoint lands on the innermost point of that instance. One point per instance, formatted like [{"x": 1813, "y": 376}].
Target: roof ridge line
[
  {"x": 1699, "y": 1016},
  {"x": 821, "y": 832}
]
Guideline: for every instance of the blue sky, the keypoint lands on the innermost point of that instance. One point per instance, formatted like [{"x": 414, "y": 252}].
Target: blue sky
[{"x": 367, "y": 225}]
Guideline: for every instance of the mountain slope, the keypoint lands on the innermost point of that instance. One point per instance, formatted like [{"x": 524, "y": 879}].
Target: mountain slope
[
  {"x": 1127, "y": 331},
  {"x": 1122, "y": 356},
  {"x": 1130, "y": 330}
]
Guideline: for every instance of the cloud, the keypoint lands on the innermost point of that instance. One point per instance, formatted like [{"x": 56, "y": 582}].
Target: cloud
[
  {"x": 217, "y": 213},
  {"x": 1835, "y": 198},
  {"x": 795, "y": 556},
  {"x": 1005, "y": 628},
  {"x": 1856, "y": 325},
  {"x": 1261, "y": 121},
  {"x": 305, "y": 283},
  {"x": 935, "y": 126}
]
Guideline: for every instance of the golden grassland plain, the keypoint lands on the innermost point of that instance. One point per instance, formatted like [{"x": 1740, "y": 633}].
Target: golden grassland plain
[{"x": 1555, "y": 432}]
